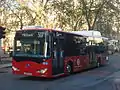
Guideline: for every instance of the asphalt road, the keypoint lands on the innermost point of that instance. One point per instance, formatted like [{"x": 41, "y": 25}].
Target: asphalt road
[{"x": 102, "y": 78}]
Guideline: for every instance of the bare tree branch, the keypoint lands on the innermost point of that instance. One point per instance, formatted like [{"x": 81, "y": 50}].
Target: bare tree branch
[
  {"x": 85, "y": 12},
  {"x": 98, "y": 11}
]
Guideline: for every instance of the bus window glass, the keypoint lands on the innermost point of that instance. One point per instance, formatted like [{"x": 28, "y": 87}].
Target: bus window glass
[{"x": 31, "y": 47}]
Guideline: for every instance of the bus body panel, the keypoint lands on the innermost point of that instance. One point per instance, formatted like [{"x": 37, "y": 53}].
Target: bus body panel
[
  {"x": 102, "y": 58},
  {"x": 31, "y": 68},
  {"x": 59, "y": 48},
  {"x": 79, "y": 62}
]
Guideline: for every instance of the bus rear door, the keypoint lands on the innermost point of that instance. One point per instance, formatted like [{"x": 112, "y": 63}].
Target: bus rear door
[{"x": 92, "y": 56}]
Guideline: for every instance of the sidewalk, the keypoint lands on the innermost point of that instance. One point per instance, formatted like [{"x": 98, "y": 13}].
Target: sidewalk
[{"x": 5, "y": 61}]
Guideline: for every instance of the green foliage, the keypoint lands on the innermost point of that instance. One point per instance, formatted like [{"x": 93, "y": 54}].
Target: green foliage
[
  {"x": 68, "y": 14},
  {"x": 65, "y": 14}
]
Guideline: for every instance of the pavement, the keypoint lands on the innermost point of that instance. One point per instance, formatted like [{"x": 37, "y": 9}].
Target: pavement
[{"x": 5, "y": 61}]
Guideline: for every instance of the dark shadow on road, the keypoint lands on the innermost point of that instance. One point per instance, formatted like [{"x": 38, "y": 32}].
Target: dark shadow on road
[
  {"x": 32, "y": 78},
  {"x": 3, "y": 71}
]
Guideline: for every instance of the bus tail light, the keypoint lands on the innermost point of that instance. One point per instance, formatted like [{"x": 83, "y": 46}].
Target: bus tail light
[
  {"x": 42, "y": 71},
  {"x": 15, "y": 69}
]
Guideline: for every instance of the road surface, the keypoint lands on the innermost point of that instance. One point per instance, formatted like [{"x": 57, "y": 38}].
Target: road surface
[{"x": 103, "y": 78}]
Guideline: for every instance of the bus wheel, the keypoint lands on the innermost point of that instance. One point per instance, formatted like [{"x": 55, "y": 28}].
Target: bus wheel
[{"x": 69, "y": 68}]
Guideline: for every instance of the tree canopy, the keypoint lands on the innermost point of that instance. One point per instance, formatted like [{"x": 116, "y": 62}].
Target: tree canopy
[{"x": 101, "y": 15}]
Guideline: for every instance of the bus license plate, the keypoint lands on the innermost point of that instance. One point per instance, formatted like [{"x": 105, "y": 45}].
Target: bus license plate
[{"x": 26, "y": 73}]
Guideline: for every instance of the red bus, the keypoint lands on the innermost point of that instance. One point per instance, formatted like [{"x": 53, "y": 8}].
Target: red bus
[{"x": 49, "y": 53}]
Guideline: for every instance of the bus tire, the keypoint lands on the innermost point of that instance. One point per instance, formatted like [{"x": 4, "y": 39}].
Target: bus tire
[{"x": 69, "y": 68}]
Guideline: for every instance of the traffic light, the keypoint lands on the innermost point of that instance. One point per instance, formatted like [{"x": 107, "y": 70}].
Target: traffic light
[{"x": 2, "y": 32}]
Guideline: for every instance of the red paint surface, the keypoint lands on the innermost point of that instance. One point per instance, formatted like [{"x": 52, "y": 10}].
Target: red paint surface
[{"x": 33, "y": 68}]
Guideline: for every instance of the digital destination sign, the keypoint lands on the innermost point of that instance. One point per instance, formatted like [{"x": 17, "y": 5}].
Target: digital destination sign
[{"x": 31, "y": 34}]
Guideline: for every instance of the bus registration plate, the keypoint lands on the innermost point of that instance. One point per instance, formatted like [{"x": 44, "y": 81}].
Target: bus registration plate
[{"x": 26, "y": 73}]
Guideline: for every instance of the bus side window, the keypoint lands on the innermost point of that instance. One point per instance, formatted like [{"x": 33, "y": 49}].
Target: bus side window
[
  {"x": 100, "y": 49},
  {"x": 83, "y": 50}
]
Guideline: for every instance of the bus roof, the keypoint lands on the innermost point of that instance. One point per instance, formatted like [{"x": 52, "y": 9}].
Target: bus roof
[
  {"x": 88, "y": 33},
  {"x": 34, "y": 28},
  {"x": 47, "y": 29},
  {"x": 91, "y": 33}
]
